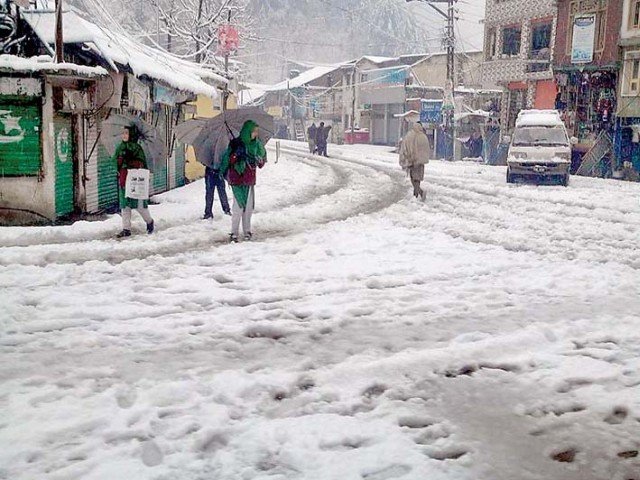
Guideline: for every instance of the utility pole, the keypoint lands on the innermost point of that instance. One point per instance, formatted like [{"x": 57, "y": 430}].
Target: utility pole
[
  {"x": 354, "y": 76},
  {"x": 450, "y": 87},
  {"x": 225, "y": 94},
  {"x": 198, "y": 55},
  {"x": 59, "y": 33}
]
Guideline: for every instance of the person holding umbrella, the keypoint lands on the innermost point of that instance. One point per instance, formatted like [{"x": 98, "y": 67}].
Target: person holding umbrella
[
  {"x": 239, "y": 164},
  {"x": 130, "y": 155},
  {"x": 214, "y": 180}
]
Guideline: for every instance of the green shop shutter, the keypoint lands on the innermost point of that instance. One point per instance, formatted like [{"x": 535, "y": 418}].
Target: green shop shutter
[
  {"x": 180, "y": 164},
  {"x": 63, "y": 151},
  {"x": 107, "y": 178},
  {"x": 20, "y": 142}
]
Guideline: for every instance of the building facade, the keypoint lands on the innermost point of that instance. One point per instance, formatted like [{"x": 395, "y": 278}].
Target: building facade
[
  {"x": 587, "y": 71},
  {"x": 54, "y": 164},
  {"x": 627, "y": 131},
  {"x": 519, "y": 46}
]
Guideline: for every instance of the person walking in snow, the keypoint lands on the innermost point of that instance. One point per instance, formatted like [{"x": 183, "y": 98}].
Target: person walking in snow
[
  {"x": 311, "y": 136},
  {"x": 322, "y": 135},
  {"x": 414, "y": 155},
  {"x": 213, "y": 181},
  {"x": 130, "y": 155},
  {"x": 239, "y": 164}
]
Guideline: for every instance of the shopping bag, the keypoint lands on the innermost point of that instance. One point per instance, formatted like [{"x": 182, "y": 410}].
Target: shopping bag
[{"x": 137, "y": 185}]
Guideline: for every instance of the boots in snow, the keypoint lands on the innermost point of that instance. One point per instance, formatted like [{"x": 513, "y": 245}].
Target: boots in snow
[
  {"x": 233, "y": 238},
  {"x": 150, "y": 227},
  {"x": 248, "y": 236},
  {"x": 124, "y": 233}
]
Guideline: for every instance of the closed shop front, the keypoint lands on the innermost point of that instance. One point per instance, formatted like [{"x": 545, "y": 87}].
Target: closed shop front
[
  {"x": 20, "y": 136},
  {"x": 63, "y": 152}
]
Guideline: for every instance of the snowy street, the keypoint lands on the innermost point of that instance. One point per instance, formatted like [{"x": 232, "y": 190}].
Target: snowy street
[{"x": 489, "y": 333}]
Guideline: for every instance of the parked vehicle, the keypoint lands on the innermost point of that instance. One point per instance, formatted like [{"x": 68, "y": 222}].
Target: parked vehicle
[{"x": 540, "y": 148}]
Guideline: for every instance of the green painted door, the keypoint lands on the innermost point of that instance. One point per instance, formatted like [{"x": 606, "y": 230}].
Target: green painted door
[
  {"x": 107, "y": 178},
  {"x": 63, "y": 151},
  {"x": 180, "y": 164},
  {"x": 20, "y": 142}
]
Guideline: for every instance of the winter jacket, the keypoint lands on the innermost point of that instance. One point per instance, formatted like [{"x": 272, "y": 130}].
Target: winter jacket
[
  {"x": 415, "y": 148},
  {"x": 240, "y": 162},
  {"x": 129, "y": 155},
  {"x": 312, "y": 132},
  {"x": 322, "y": 135}
]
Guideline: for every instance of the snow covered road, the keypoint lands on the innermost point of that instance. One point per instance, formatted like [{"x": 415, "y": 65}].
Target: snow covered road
[{"x": 490, "y": 333}]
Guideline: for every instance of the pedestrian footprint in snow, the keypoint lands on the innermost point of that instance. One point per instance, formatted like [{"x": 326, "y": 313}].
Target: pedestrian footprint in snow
[
  {"x": 130, "y": 155},
  {"x": 240, "y": 162},
  {"x": 414, "y": 155}
]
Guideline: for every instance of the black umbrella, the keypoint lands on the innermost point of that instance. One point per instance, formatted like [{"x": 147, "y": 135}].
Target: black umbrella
[
  {"x": 149, "y": 137},
  {"x": 210, "y": 137}
]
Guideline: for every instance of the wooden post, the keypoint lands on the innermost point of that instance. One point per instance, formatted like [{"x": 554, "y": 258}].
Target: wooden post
[{"x": 59, "y": 33}]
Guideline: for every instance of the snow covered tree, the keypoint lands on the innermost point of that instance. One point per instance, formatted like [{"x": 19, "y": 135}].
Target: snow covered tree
[
  {"x": 333, "y": 30},
  {"x": 192, "y": 26}
]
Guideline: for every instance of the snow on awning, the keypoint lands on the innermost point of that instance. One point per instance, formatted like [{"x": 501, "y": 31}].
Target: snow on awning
[
  {"x": 45, "y": 64},
  {"x": 120, "y": 49}
]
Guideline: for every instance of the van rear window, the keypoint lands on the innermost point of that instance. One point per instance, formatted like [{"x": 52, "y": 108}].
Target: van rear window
[{"x": 540, "y": 136}]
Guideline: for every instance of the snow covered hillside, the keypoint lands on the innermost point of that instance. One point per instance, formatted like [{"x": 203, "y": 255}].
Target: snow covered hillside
[{"x": 490, "y": 333}]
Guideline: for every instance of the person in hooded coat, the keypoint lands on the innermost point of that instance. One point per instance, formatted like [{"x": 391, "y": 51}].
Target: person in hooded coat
[
  {"x": 130, "y": 155},
  {"x": 322, "y": 136},
  {"x": 311, "y": 136},
  {"x": 414, "y": 155},
  {"x": 239, "y": 164}
]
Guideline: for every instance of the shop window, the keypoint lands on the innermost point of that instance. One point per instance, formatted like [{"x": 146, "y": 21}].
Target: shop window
[
  {"x": 541, "y": 41},
  {"x": 511, "y": 40},
  {"x": 632, "y": 73},
  {"x": 491, "y": 45},
  {"x": 634, "y": 17}
]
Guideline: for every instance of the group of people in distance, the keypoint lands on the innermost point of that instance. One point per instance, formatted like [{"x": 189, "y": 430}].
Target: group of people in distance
[
  {"x": 237, "y": 166},
  {"x": 318, "y": 137}
]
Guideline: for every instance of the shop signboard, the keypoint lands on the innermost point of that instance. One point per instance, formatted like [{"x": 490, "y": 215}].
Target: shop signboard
[
  {"x": 584, "y": 36},
  {"x": 431, "y": 111}
]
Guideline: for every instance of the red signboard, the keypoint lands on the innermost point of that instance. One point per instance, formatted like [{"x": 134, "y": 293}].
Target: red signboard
[{"x": 228, "y": 39}]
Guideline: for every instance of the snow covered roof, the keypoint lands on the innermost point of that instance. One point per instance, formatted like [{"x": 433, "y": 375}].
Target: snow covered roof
[
  {"x": 539, "y": 118},
  {"x": 121, "y": 49},
  {"x": 375, "y": 59},
  {"x": 251, "y": 92},
  {"x": 304, "y": 78},
  {"x": 46, "y": 64}
]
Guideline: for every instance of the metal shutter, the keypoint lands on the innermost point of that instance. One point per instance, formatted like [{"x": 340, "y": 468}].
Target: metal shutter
[{"x": 20, "y": 140}]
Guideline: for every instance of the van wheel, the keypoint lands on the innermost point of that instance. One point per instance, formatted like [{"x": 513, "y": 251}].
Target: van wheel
[
  {"x": 509, "y": 176},
  {"x": 565, "y": 180}
]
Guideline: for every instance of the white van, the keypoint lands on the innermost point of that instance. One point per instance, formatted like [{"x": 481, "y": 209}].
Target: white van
[{"x": 540, "y": 148}]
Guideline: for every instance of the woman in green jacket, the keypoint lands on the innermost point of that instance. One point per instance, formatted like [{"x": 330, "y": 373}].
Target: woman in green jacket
[
  {"x": 239, "y": 164},
  {"x": 129, "y": 155}
]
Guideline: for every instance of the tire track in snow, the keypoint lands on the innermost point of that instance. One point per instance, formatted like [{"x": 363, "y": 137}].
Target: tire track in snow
[
  {"x": 483, "y": 213},
  {"x": 349, "y": 195}
]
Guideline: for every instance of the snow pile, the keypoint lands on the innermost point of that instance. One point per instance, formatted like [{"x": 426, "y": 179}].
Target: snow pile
[
  {"x": 46, "y": 64},
  {"x": 490, "y": 333},
  {"x": 539, "y": 118}
]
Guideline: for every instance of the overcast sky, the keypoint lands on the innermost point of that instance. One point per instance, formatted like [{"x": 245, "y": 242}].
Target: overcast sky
[{"x": 469, "y": 30}]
